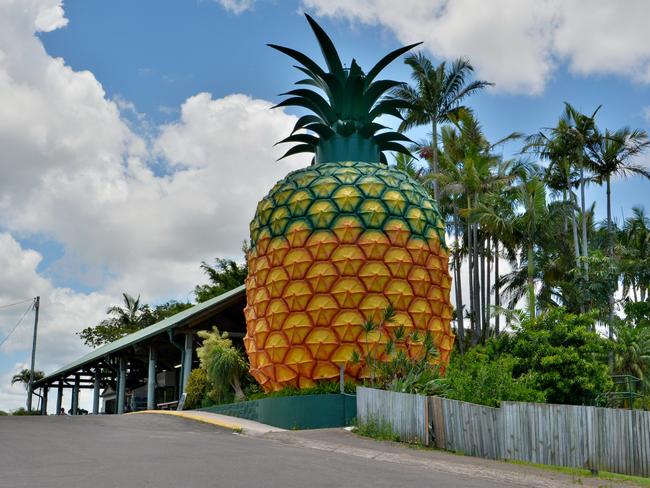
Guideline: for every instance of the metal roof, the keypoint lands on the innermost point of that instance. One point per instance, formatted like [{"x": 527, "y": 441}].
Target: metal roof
[{"x": 214, "y": 304}]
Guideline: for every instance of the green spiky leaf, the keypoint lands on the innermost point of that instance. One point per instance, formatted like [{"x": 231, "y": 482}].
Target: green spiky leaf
[
  {"x": 304, "y": 138},
  {"x": 327, "y": 48},
  {"x": 300, "y": 148},
  {"x": 386, "y": 60}
]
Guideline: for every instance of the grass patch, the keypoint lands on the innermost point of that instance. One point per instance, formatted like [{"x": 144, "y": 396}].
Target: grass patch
[
  {"x": 377, "y": 429},
  {"x": 585, "y": 473}
]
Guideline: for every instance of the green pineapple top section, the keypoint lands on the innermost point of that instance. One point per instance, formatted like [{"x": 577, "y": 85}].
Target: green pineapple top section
[
  {"x": 374, "y": 195},
  {"x": 342, "y": 127}
]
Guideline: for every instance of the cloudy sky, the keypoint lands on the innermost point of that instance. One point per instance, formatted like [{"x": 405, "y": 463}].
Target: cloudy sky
[{"x": 136, "y": 137}]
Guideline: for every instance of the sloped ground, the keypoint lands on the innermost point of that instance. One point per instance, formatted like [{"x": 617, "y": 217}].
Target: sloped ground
[{"x": 166, "y": 451}]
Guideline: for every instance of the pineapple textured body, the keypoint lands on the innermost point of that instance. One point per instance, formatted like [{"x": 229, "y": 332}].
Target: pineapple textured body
[{"x": 332, "y": 246}]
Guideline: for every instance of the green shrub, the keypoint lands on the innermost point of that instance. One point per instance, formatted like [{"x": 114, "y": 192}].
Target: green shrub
[
  {"x": 479, "y": 379},
  {"x": 323, "y": 388},
  {"x": 197, "y": 388},
  {"x": 23, "y": 412},
  {"x": 224, "y": 364},
  {"x": 3, "y": 413},
  {"x": 563, "y": 357},
  {"x": 377, "y": 429}
]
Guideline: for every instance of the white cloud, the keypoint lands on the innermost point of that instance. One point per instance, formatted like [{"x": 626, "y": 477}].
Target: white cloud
[
  {"x": 237, "y": 6},
  {"x": 517, "y": 44},
  {"x": 75, "y": 173}
]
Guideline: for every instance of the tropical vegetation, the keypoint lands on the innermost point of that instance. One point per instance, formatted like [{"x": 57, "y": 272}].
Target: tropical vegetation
[{"x": 23, "y": 376}]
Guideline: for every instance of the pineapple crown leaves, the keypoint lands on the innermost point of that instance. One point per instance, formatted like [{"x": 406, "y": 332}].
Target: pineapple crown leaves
[{"x": 353, "y": 99}]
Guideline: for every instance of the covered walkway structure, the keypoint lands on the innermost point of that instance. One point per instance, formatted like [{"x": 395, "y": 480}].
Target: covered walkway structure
[{"x": 149, "y": 367}]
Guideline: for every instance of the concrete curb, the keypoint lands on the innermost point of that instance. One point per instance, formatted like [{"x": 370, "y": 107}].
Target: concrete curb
[{"x": 197, "y": 417}]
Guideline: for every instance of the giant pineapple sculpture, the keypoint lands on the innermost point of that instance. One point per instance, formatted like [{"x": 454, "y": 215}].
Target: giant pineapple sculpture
[{"x": 334, "y": 244}]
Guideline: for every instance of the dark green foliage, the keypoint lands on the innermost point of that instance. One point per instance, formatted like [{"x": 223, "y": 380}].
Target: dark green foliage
[
  {"x": 198, "y": 386},
  {"x": 322, "y": 388},
  {"x": 226, "y": 275},
  {"x": 161, "y": 312},
  {"x": 23, "y": 377},
  {"x": 3, "y": 413},
  {"x": 121, "y": 321},
  {"x": 22, "y": 412},
  {"x": 563, "y": 357},
  {"x": 478, "y": 378},
  {"x": 637, "y": 314},
  {"x": 354, "y": 101}
]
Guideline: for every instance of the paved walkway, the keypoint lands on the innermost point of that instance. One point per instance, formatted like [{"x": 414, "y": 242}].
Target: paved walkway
[{"x": 248, "y": 427}]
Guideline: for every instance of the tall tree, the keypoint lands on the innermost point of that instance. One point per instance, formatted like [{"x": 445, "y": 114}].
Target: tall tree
[
  {"x": 613, "y": 154},
  {"x": 437, "y": 93},
  {"x": 23, "y": 377},
  {"x": 634, "y": 255},
  {"x": 226, "y": 275},
  {"x": 121, "y": 321}
]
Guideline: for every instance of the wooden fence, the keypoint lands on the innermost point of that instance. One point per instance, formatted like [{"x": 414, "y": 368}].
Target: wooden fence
[
  {"x": 406, "y": 414},
  {"x": 465, "y": 427},
  {"x": 602, "y": 439}
]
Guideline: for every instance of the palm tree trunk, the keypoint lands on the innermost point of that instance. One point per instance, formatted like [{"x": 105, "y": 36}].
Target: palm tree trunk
[
  {"x": 459, "y": 290},
  {"x": 610, "y": 238},
  {"x": 531, "y": 282},
  {"x": 483, "y": 289},
  {"x": 236, "y": 385},
  {"x": 434, "y": 154},
  {"x": 565, "y": 224},
  {"x": 497, "y": 295},
  {"x": 585, "y": 245},
  {"x": 470, "y": 267},
  {"x": 486, "y": 325},
  {"x": 610, "y": 227},
  {"x": 477, "y": 288},
  {"x": 574, "y": 228}
]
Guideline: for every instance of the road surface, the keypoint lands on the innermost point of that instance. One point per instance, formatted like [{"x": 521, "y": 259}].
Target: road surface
[{"x": 138, "y": 451}]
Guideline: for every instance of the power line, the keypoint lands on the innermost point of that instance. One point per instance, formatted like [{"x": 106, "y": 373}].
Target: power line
[
  {"x": 17, "y": 303},
  {"x": 17, "y": 324}
]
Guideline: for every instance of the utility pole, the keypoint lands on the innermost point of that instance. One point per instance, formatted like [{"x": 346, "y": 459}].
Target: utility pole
[{"x": 30, "y": 389}]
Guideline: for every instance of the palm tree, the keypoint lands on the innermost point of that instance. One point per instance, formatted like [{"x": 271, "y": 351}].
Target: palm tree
[
  {"x": 527, "y": 227},
  {"x": 23, "y": 377},
  {"x": 560, "y": 174},
  {"x": 438, "y": 93},
  {"x": 612, "y": 155},
  {"x": 634, "y": 252},
  {"x": 632, "y": 351},
  {"x": 567, "y": 144},
  {"x": 131, "y": 315}
]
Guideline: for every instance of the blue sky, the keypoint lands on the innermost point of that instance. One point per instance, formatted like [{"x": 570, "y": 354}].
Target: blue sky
[
  {"x": 156, "y": 54},
  {"x": 137, "y": 136}
]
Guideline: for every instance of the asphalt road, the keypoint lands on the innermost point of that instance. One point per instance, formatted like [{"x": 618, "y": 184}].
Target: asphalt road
[{"x": 138, "y": 451}]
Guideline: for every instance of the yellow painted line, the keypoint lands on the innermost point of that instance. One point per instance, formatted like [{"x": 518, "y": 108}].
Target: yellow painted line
[{"x": 194, "y": 416}]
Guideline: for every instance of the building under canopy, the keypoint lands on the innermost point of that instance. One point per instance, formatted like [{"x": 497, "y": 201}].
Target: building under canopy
[{"x": 150, "y": 367}]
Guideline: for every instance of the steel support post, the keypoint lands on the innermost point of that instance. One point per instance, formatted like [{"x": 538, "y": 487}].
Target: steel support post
[
  {"x": 59, "y": 398},
  {"x": 45, "y": 391},
  {"x": 74, "y": 402},
  {"x": 121, "y": 386},
  {"x": 98, "y": 372},
  {"x": 151, "y": 380},
  {"x": 187, "y": 360}
]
